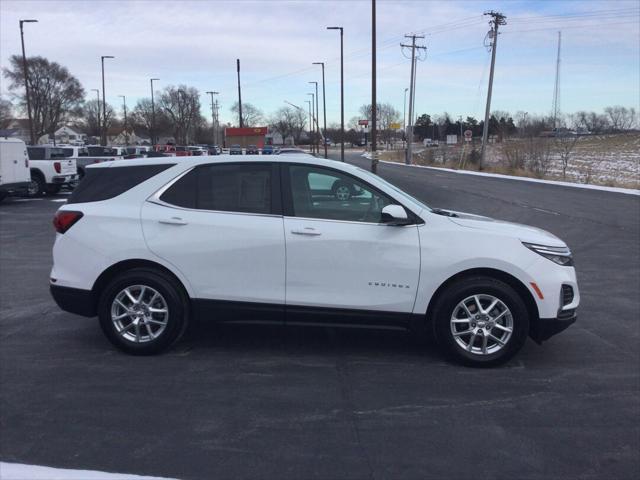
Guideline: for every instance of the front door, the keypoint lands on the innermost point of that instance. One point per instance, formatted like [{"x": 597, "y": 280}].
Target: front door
[
  {"x": 339, "y": 253},
  {"x": 220, "y": 225}
]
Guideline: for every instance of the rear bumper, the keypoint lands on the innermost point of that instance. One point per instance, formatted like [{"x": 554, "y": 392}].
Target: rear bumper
[
  {"x": 75, "y": 300},
  {"x": 545, "y": 328},
  {"x": 62, "y": 179},
  {"x": 14, "y": 188}
]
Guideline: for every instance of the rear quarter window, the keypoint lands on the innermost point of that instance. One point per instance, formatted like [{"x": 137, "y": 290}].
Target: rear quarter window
[{"x": 105, "y": 183}]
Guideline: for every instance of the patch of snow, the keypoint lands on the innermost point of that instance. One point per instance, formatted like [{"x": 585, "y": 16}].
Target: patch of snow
[
  {"x": 628, "y": 191},
  {"x": 20, "y": 471}
]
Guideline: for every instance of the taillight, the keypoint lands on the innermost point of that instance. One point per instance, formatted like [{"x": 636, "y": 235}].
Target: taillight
[
  {"x": 57, "y": 167},
  {"x": 65, "y": 219},
  {"x": 26, "y": 163}
]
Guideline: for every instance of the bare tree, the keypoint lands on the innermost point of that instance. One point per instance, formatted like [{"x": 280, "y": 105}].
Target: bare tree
[
  {"x": 55, "y": 94},
  {"x": 6, "y": 113},
  {"x": 386, "y": 115},
  {"x": 289, "y": 121},
  {"x": 620, "y": 118},
  {"x": 91, "y": 117},
  {"x": 591, "y": 121},
  {"x": 565, "y": 142},
  {"x": 251, "y": 116},
  {"x": 142, "y": 118},
  {"x": 182, "y": 106},
  {"x": 538, "y": 155}
]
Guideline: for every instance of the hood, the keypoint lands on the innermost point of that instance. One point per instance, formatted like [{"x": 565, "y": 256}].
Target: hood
[{"x": 525, "y": 233}]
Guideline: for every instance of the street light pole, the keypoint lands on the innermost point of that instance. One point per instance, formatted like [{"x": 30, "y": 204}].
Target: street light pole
[
  {"x": 124, "y": 107},
  {"x": 317, "y": 119},
  {"x": 104, "y": 104},
  {"x": 313, "y": 129},
  {"x": 374, "y": 101},
  {"x": 324, "y": 109},
  {"x": 153, "y": 115},
  {"x": 26, "y": 81},
  {"x": 97, "y": 106},
  {"x": 341, "y": 89},
  {"x": 309, "y": 102}
]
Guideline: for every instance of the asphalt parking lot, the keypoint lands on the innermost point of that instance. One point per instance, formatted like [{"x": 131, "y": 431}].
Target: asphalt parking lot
[{"x": 290, "y": 403}]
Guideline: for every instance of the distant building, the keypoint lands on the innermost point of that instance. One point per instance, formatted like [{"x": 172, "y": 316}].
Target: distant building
[
  {"x": 245, "y": 136},
  {"x": 126, "y": 137},
  {"x": 18, "y": 128}
]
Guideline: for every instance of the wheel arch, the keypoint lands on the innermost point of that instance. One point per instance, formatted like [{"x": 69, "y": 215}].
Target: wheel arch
[
  {"x": 38, "y": 172},
  {"x": 106, "y": 276},
  {"x": 513, "y": 282}
]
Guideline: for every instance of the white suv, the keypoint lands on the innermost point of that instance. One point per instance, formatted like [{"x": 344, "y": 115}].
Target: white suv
[{"x": 147, "y": 245}]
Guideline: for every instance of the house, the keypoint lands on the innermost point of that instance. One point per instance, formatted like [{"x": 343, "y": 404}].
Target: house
[
  {"x": 69, "y": 135},
  {"x": 19, "y": 128},
  {"x": 120, "y": 136}
]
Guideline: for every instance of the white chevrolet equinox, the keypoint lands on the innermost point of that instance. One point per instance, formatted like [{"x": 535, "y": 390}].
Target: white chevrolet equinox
[{"x": 148, "y": 245}]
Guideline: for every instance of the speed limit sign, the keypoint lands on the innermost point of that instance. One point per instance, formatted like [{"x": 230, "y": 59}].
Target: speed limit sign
[{"x": 467, "y": 135}]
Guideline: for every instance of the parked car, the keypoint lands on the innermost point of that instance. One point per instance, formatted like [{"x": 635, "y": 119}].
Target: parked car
[
  {"x": 50, "y": 170},
  {"x": 291, "y": 150},
  {"x": 235, "y": 150},
  {"x": 81, "y": 155},
  {"x": 102, "y": 151},
  {"x": 214, "y": 150},
  {"x": 183, "y": 151},
  {"x": 252, "y": 150},
  {"x": 15, "y": 176},
  {"x": 198, "y": 150},
  {"x": 267, "y": 150},
  {"x": 382, "y": 258}
]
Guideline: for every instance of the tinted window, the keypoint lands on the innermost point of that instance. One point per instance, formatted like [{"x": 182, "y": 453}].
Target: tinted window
[
  {"x": 104, "y": 183},
  {"x": 36, "y": 153},
  {"x": 242, "y": 188},
  {"x": 328, "y": 194},
  {"x": 56, "y": 153}
]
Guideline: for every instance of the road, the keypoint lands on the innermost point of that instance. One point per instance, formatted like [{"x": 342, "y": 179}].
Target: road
[{"x": 290, "y": 403}]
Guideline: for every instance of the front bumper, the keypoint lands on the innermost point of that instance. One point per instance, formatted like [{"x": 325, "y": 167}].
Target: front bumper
[
  {"x": 545, "y": 328},
  {"x": 75, "y": 300}
]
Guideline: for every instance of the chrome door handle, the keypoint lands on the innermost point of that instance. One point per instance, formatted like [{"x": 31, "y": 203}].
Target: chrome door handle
[
  {"x": 173, "y": 221},
  {"x": 307, "y": 231}
]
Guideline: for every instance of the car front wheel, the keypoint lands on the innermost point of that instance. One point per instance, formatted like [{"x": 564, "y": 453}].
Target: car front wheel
[
  {"x": 481, "y": 321},
  {"x": 143, "y": 312}
]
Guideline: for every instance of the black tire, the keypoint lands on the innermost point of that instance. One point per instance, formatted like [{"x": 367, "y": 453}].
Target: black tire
[
  {"x": 52, "y": 189},
  {"x": 176, "y": 301},
  {"x": 3, "y": 195},
  {"x": 462, "y": 289},
  {"x": 37, "y": 186},
  {"x": 80, "y": 173}
]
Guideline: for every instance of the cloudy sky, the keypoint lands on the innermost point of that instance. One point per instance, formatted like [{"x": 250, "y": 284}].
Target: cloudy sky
[{"x": 196, "y": 43}]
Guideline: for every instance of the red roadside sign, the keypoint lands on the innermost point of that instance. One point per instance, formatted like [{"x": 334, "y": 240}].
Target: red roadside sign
[{"x": 363, "y": 122}]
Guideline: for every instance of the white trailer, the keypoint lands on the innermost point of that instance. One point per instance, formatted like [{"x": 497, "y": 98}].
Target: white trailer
[{"x": 14, "y": 167}]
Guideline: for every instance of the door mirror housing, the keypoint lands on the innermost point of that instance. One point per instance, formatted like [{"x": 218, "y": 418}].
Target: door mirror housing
[{"x": 395, "y": 215}]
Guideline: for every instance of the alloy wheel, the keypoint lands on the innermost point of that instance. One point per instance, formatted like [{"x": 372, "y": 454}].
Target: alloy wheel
[
  {"x": 139, "y": 313},
  {"x": 481, "y": 324}
]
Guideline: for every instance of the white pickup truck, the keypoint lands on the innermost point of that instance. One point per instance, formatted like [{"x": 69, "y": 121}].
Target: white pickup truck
[
  {"x": 14, "y": 167},
  {"x": 83, "y": 158},
  {"x": 50, "y": 170}
]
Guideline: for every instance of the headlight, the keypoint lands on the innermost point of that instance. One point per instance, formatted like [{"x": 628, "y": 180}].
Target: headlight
[{"x": 560, "y": 255}]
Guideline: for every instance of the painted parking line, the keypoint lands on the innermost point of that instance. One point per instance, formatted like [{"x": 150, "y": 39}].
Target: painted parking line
[
  {"x": 59, "y": 200},
  {"x": 27, "y": 199},
  {"x": 19, "y": 471}
]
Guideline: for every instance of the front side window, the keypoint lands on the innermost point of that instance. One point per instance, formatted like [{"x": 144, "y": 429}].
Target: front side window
[
  {"x": 36, "y": 153},
  {"x": 331, "y": 195},
  {"x": 244, "y": 188}
]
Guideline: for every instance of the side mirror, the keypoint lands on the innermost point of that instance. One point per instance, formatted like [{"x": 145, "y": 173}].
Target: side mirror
[{"x": 394, "y": 215}]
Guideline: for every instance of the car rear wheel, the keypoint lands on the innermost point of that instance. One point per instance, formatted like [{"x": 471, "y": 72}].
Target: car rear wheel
[
  {"x": 480, "y": 321},
  {"x": 36, "y": 185},
  {"x": 143, "y": 311}
]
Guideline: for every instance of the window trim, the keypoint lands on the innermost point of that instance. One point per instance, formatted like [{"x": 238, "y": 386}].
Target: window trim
[
  {"x": 276, "y": 197},
  {"x": 287, "y": 196}
]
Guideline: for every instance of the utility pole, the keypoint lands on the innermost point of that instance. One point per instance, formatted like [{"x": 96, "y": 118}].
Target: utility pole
[
  {"x": 309, "y": 102},
  {"x": 124, "y": 107},
  {"x": 217, "y": 131},
  {"x": 97, "y": 106},
  {"x": 412, "y": 90},
  {"x": 26, "y": 81},
  {"x": 374, "y": 100},
  {"x": 153, "y": 116},
  {"x": 341, "y": 89},
  {"x": 104, "y": 104},
  {"x": 324, "y": 109},
  {"x": 317, "y": 129},
  {"x": 556, "y": 88},
  {"x": 239, "y": 94},
  {"x": 497, "y": 19},
  {"x": 213, "y": 116}
]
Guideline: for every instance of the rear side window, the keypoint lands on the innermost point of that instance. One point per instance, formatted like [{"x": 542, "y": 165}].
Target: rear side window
[
  {"x": 245, "y": 188},
  {"x": 35, "y": 153},
  {"x": 105, "y": 183}
]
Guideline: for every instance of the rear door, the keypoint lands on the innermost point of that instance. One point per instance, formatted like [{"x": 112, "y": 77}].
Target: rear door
[{"x": 221, "y": 226}]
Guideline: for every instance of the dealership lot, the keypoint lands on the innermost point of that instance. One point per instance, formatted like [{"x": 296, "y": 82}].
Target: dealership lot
[{"x": 271, "y": 402}]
